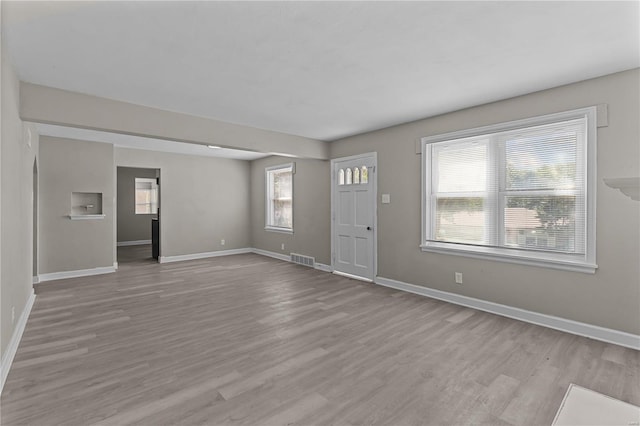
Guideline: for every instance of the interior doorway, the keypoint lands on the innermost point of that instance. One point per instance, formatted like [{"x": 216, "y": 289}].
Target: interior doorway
[
  {"x": 138, "y": 216},
  {"x": 34, "y": 194},
  {"x": 354, "y": 216}
]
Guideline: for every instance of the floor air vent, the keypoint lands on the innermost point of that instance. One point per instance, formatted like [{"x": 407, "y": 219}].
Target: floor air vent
[{"x": 303, "y": 260}]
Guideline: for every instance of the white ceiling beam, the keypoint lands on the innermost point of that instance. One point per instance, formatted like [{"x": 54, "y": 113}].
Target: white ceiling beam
[{"x": 48, "y": 105}]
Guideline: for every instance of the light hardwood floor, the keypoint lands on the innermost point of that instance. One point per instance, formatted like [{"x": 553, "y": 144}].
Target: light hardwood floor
[{"x": 251, "y": 340}]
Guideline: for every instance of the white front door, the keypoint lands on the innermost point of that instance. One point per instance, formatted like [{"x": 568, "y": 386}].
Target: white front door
[{"x": 354, "y": 215}]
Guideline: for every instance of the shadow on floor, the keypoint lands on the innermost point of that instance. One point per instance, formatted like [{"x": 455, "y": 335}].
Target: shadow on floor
[{"x": 135, "y": 255}]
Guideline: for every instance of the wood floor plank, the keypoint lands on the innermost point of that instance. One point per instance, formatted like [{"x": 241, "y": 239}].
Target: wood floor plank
[
  {"x": 250, "y": 340},
  {"x": 139, "y": 413}
]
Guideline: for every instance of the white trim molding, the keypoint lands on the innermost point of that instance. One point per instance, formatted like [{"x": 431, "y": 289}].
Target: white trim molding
[
  {"x": 133, "y": 243},
  {"x": 569, "y": 326},
  {"x": 204, "y": 255},
  {"x": 85, "y": 216},
  {"x": 74, "y": 274},
  {"x": 319, "y": 266},
  {"x": 322, "y": 267},
  {"x": 582, "y": 259},
  {"x": 280, "y": 230},
  {"x": 279, "y": 256},
  {"x": 353, "y": 277},
  {"x": 12, "y": 348},
  {"x": 269, "y": 195}
]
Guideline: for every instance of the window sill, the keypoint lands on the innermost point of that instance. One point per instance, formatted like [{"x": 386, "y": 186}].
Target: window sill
[
  {"x": 544, "y": 260},
  {"x": 280, "y": 230},
  {"x": 85, "y": 216}
]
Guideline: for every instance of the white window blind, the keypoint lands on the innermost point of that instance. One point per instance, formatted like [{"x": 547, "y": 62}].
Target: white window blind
[
  {"x": 279, "y": 191},
  {"x": 513, "y": 190}
]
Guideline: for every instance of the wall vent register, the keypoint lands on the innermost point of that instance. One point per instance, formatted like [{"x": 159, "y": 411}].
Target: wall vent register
[{"x": 303, "y": 260}]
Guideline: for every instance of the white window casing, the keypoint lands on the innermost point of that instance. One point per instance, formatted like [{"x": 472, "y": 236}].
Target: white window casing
[
  {"x": 146, "y": 196},
  {"x": 522, "y": 191},
  {"x": 279, "y": 198}
]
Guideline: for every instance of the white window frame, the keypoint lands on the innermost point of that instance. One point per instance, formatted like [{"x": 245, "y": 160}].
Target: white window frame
[
  {"x": 152, "y": 206},
  {"x": 587, "y": 217},
  {"x": 268, "y": 171}
]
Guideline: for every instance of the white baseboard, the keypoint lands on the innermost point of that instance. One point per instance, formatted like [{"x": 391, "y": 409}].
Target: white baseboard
[
  {"x": 273, "y": 254},
  {"x": 74, "y": 274},
  {"x": 323, "y": 267},
  {"x": 194, "y": 256},
  {"x": 574, "y": 327},
  {"x": 115, "y": 265},
  {"x": 133, "y": 243},
  {"x": 12, "y": 348},
  {"x": 36, "y": 279}
]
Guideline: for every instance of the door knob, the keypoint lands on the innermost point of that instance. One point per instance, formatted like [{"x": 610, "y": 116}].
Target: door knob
[{"x": 368, "y": 228}]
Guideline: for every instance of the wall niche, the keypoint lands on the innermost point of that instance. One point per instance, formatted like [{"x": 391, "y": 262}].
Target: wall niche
[{"x": 86, "y": 205}]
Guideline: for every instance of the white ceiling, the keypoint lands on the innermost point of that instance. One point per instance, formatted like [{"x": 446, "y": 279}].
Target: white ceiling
[{"x": 323, "y": 70}]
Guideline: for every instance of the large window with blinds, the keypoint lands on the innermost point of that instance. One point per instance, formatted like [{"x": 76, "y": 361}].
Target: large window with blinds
[
  {"x": 279, "y": 191},
  {"x": 521, "y": 191}
]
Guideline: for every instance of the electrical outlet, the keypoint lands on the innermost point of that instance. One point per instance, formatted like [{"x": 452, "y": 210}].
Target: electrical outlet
[
  {"x": 13, "y": 314},
  {"x": 282, "y": 248},
  {"x": 458, "y": 277},
  {"x": 221, "y": 242}
]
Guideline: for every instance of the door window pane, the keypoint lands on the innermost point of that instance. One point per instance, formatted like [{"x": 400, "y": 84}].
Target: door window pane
[{"x": 364, "y": 177}]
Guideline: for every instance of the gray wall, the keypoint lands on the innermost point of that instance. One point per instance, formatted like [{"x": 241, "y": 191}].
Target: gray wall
[
  {"x": 311, "y": 210},
  {"x": 55, "y": 106},
  {"x": 204, "y": 200},
  {"x": 16, "y": 212},
  {"x": 609, "y": 298},
  {"x": 131, "y": 226},
  {"x": 74, "y": 166}
]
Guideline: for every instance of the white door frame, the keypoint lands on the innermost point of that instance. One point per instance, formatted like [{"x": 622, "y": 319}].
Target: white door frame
[{"x": 374, "y": 187}]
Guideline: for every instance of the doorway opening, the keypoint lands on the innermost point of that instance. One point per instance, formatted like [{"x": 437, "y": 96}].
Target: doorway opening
[
  {"x": 354, "y": 216},
  {"x": 138, "y": 216}
]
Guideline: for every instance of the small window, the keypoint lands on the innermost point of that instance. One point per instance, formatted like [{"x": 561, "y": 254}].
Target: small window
[
  {"x": 519, "y": 192},
  {"x": 341, "y": 177},
  {"x": 364, "y": 176},
  {"x": 146, "y": 196},
  {"x": 349, "y": 176},
  {"x": 356, "y": 176},
  {"x": 279, "y": 191}
]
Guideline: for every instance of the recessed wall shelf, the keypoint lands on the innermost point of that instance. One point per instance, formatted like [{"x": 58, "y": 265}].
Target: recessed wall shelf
[
  {"x": 86, "y": 205},
  {"x": 628, "y": 186},
  {"x": 85, "y": 216}
]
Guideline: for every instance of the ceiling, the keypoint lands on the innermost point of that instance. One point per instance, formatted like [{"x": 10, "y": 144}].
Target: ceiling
[{"x": 324, "y": 70}]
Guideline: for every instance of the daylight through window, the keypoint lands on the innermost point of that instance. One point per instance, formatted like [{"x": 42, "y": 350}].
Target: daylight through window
[
  {"x": 279, "y": 209},
  {"x": 146, "y": 196},
  {"x": 518, "y": 190}
]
